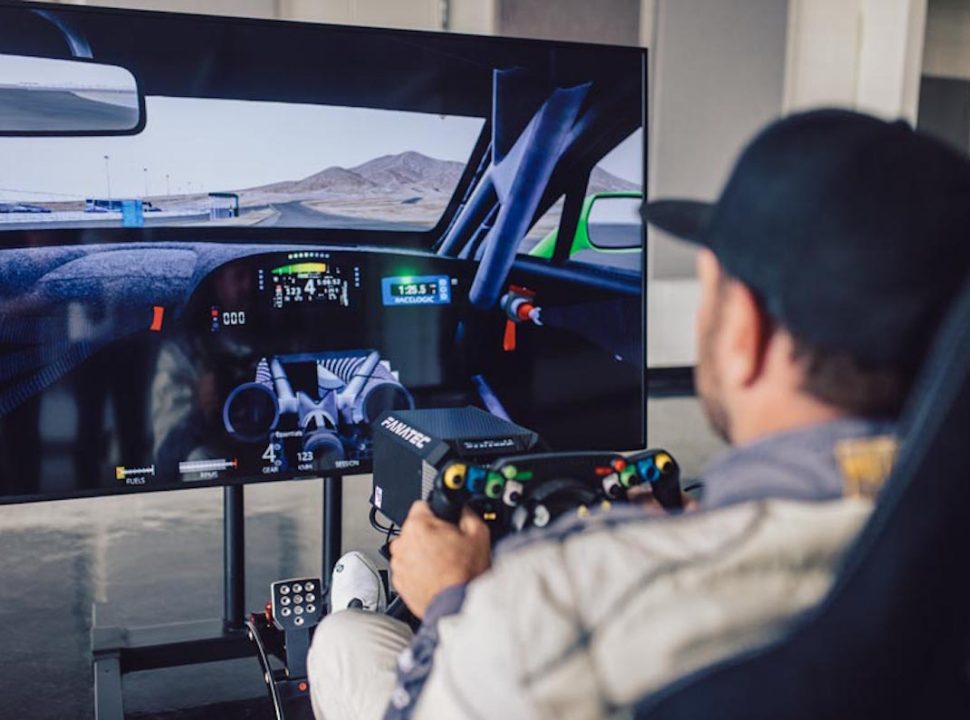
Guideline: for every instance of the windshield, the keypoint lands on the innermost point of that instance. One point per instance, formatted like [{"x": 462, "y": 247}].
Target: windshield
[{"x": 216, "y": 162}]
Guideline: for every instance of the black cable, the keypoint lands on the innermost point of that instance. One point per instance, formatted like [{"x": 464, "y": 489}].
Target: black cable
[{"x": 388, "y": 530}]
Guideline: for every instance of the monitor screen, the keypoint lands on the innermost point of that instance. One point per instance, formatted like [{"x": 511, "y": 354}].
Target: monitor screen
[{"x": 228, "y": 246}]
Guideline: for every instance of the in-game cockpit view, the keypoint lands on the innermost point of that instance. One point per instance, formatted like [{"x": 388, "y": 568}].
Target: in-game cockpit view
[{"x": 227, "y": 249}]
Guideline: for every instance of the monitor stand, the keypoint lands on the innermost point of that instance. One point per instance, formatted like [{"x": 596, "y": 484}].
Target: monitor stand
[{"x": 117, "y": 651}]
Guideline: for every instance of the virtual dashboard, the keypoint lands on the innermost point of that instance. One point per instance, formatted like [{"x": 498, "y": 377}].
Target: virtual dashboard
[
  {"x": 298, "y": 354},
  {"x": 164, "y": 365}
]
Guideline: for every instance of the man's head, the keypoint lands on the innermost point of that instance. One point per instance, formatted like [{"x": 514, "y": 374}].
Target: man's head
[{"x": 828, "y": 262}]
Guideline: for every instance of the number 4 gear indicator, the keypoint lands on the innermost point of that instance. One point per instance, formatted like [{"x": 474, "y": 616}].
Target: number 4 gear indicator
[{"x": 274, "y": 457}]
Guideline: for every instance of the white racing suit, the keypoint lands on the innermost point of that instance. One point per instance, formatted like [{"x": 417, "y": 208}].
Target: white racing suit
[{"x": 585, "y": 618}]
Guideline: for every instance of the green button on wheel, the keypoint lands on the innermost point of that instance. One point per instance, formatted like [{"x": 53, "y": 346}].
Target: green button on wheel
[
  {"x": 629, "y": 476},
  {"x": 493, "y": 485}
]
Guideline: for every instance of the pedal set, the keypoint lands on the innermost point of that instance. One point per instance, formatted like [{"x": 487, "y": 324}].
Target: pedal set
[{"x": 283, "y": 631}]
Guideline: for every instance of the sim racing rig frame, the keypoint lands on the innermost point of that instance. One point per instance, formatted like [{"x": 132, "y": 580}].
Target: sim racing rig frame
[{"x": 117, "y": 651}]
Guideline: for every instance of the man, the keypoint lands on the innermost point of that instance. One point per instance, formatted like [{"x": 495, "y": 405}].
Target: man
[{"x": 825, "y": 268}]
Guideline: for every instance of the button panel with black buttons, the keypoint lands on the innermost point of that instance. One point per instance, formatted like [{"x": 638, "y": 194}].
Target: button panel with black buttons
[{"x": 296, "y": 603}]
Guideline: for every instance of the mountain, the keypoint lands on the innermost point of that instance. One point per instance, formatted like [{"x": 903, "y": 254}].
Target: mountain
[
  {"x": 602, "y": 181},
  {"x": 409, "y": 173},
  {"x": 404, "y": 175},
  {"x": 412, "y": 170}
]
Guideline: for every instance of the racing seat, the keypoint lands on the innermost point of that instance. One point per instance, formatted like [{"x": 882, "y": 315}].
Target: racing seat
[{"x": 892, "y": 637}]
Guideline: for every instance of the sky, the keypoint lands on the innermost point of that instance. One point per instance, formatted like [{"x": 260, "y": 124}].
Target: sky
[
  {"x": 194, "y": 145},
  {"x": 211, "y": 145},
  {"x": 626, "y": 159}
]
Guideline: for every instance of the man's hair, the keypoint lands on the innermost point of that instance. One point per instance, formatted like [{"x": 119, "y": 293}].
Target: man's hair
[{"x": 839, "y": 379}]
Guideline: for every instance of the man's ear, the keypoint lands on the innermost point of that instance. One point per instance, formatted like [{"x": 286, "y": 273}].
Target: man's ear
[{"x": 746, "y": 332}]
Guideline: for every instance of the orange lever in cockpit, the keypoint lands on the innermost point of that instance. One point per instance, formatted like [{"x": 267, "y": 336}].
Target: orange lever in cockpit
[
  {"x": 519, "y": 307},
  {"x": 508, "y": 340}
]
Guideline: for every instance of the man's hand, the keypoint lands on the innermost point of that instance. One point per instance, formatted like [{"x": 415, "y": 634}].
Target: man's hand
[
  {"x": 642, "y": 495},
  {"x": 431, "y": 554}
]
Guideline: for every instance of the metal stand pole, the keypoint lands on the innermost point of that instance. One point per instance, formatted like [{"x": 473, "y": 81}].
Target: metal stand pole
[
  {"x": 333, "y": 490},
  {"x": 234, "y": 557}
]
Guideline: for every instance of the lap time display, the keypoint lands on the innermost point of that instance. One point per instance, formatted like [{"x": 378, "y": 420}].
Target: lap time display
[{"x": 421, "y": 290}]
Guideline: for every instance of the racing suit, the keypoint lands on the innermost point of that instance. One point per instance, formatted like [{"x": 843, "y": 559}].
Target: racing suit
[{"x": 582, "y": 619}]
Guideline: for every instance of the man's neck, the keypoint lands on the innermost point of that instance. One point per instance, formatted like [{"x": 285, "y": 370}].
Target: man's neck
[{"x": 776, "y": 415}]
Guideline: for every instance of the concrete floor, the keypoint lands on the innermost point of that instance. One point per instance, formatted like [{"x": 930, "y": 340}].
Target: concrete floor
[{"x": 157, "y": 558}]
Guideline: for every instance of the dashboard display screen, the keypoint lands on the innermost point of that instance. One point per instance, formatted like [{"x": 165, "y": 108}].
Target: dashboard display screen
[
  {"x": 424, "y": 290},
  {"x": 309, "y": 282}
]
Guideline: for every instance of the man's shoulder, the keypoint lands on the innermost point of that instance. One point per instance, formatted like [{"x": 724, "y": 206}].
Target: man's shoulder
[
  {"x": 685, "y": 538},
  {"x": 800, "y": 464},
  {"x": 619, "y": 556}
]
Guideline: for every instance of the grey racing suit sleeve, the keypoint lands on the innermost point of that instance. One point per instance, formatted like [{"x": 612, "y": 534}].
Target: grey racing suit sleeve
[{"x": 414, "y": 664}]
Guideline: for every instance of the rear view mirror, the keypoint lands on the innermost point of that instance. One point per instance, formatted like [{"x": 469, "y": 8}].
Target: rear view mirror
[
  {"x": 44, "y": 96},
  {"x": 613, "y": 221}
]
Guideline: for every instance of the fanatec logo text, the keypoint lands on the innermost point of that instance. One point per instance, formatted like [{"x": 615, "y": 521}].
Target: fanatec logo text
[{"x": 405, "y": 432}]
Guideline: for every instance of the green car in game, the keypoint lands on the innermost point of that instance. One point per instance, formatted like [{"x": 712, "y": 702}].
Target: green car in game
[{"x": 609, "y": 232}]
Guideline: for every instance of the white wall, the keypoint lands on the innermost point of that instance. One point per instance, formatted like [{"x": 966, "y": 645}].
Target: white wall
[
  {"x": 473, "y": 16},
  {"x": 718, "y": 75},
  {"x": 861, "y": 54},
  {"x": 604, "y": 21},
  {"x": 415, "y": 14}
]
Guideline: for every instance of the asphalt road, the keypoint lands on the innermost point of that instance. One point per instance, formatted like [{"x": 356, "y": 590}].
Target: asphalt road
[{"x": 38, "y": 110}]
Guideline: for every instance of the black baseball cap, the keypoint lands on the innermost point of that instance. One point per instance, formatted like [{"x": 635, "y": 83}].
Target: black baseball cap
[{"x": 853, "y": 232}]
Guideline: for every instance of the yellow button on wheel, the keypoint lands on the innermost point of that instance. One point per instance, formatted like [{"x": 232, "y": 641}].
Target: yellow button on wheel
[{"x": 454, "y": 477}]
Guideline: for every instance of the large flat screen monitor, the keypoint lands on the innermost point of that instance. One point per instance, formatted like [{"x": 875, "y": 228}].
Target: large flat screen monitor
[{"x": 227, "y": 246}]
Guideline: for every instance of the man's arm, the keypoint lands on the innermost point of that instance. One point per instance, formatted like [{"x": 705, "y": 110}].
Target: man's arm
[
  {"x": 414, "y": 664},
  {"x": 578, "y": 624},
  {"x": 431, "y": 563},
  {"x": 430, "y": 555}
]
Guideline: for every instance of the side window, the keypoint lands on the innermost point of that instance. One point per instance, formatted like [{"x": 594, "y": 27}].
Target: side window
[
  {"x": 541, "y": 238},
  {"x": 609, "y": 230}
]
